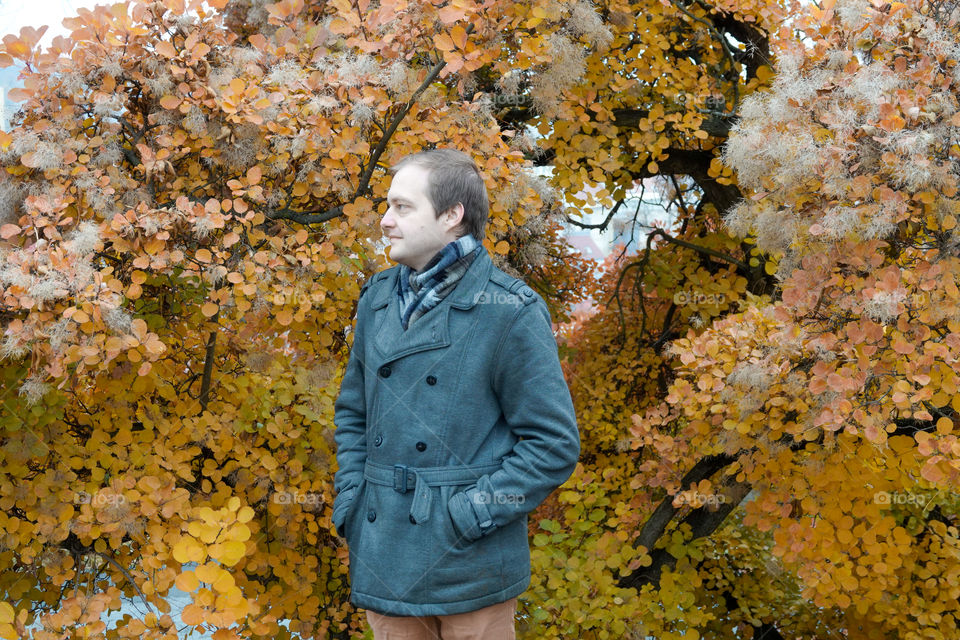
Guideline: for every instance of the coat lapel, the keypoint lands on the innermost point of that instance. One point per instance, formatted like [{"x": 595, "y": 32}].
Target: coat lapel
[{"x": 431, "y": 330}]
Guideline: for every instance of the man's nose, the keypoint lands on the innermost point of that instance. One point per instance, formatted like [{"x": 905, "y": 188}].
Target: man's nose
[{"x": 386, "y": 222}]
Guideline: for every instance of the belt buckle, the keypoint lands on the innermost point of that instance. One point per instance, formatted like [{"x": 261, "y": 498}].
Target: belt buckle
[{"x": 400, "y": 478}]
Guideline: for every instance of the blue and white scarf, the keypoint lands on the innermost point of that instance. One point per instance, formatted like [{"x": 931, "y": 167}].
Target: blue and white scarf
[{"x": 422, "y": 290}]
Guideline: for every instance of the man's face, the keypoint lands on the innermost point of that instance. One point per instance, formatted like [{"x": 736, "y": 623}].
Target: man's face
[{"x": 415, "y": 233}]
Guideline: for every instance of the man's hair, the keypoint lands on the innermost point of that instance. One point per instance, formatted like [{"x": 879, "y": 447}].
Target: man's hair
[{"x": 453, "y": 177}]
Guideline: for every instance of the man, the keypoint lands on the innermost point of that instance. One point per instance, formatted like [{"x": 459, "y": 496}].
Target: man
[{"x": 453, "y": 419}]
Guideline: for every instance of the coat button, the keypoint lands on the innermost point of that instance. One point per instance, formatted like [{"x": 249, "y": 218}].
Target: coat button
[
  {"x": 371, "y": 515},
  {"x": 431, "y": 380},
  {"x": 421, "y": 446},
  {"x": 378, "y": 441},
  {"x": 385, "y": 371}
]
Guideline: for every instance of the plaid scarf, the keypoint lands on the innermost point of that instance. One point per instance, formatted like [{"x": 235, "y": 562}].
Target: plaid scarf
[{"x": 422, "y": 290}]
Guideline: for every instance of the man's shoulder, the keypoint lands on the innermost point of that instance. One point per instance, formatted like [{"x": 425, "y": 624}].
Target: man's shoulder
[
  {"x": 507, "y": 285},
  {"x": 378, "y": 277}
]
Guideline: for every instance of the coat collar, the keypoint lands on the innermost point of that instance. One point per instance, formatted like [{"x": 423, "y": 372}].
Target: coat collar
[{"x": 432, "y": 330}]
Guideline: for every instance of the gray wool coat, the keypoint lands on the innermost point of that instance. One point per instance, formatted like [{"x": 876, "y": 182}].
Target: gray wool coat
[{"x": 448, "y": 435}]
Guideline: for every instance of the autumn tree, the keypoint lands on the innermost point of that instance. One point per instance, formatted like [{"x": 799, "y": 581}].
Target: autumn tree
[
  {"x": 189, "y": 203},
  {"x": 190, "y": 199},
  {"x": 793, "y": 456}
]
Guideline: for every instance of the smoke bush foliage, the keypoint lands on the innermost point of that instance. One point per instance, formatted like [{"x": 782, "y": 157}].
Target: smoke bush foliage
[{"x": 852, "y": 129}]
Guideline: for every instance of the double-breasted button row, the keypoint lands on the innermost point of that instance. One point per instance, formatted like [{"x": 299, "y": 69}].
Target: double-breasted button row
[
  {"x": 385, "y": 372},
  {"x": 421, "y": 446}
]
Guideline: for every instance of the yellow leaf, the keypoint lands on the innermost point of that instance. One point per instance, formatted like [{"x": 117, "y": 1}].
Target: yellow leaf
[
  {"x": 188, "y": 550},
  {"x": 231, "y": 552},
  {"x": 7, "y": 614},
  {"x": 208, "y": 572},
  {"x": 204, "y": 531},
  {"x": 245, "y": 514},
  {"x": 284, "y": 318},
  {"x": 239, "y": 533},
  {"x": 944, "y": 426},
  {"x": 224, "y": 582}
]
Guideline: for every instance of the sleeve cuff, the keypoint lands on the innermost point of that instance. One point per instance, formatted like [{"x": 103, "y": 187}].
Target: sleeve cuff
[
  {"x": 470, "y": 515},
  {"x": 341, "y": 505}
]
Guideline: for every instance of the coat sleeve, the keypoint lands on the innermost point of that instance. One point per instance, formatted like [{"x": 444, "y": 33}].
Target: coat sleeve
[
  {"x": 350, "y": 418},
  {"x": 536, "y": 403}
]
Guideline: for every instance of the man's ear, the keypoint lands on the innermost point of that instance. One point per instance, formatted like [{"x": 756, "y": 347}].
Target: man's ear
[{"x": 454, "y": 216}]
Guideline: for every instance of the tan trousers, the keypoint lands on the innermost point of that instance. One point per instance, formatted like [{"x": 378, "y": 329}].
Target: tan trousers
[{"x": 489, "y": 623}]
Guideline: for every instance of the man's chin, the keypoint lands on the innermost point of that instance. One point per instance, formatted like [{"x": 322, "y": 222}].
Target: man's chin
[{"x": 394, "y": 255}]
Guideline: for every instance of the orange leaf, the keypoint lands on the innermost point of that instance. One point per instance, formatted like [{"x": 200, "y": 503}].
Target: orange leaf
[
  {"x": 169, "y": 102},
  {"x": 443, "y": 42},
  {"x": 192, "y": 614},
  {"x": 459, "y": 36},
  {"x": 450, "y": 14},
  {"x": 340, "y": 26},
  {"x": 165, "y": 49},
  {"x": 7, "y": 231},
  {"x": 931, "y": 470},
  {"x": 903, "y": 347},
  {"x": 209, "y": 309},
  {"x": 284, "y": 318}
]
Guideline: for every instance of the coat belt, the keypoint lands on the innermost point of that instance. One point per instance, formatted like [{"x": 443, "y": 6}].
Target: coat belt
[{"x": 404, "y": 478}]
